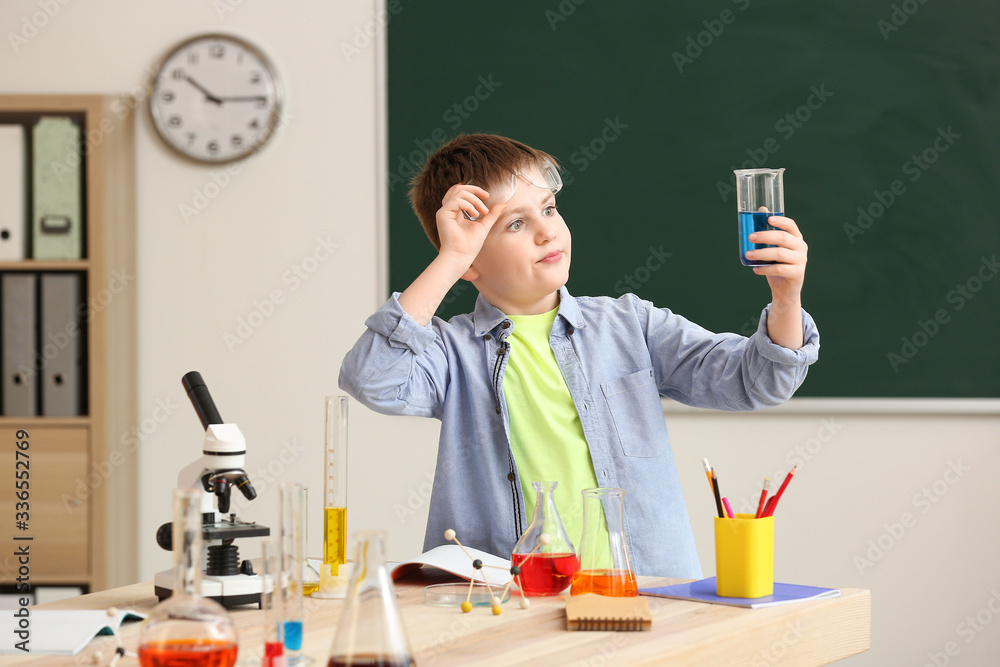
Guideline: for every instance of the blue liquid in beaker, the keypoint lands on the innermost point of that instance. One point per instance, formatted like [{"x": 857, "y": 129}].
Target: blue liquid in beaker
[{"x": 749, "y": 223}]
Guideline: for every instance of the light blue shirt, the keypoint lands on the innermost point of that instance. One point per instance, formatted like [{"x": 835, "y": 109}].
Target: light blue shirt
[{"x": 618, "y": 356}]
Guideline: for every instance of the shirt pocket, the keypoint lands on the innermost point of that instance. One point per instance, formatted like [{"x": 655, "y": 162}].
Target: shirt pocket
[{"x": 636, "y": 414}]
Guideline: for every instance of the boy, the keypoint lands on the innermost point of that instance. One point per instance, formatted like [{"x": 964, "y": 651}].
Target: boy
[{"x": 536, "y": 384}]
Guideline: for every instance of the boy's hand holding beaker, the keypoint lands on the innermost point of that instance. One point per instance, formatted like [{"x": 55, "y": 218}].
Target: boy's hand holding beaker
[{"x": 790, "y": 252}]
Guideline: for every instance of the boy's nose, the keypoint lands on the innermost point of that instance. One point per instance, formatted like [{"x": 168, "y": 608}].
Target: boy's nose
[{"x": 546, "y": 230}]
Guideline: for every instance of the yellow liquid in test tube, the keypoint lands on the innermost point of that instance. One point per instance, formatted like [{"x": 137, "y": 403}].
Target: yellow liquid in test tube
[{"x": 335, "y": 537}]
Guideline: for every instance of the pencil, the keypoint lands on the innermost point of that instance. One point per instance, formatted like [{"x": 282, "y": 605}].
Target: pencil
[
  {"x": 729, "y": 510},
  {"x": 763, "y": 497},
  {"x": 773, "y": 503},
  {"x": 708, "y": 472},
  {"x": 718, "y": 499}
]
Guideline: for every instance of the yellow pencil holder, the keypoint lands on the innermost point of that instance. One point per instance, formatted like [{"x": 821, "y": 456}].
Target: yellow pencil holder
[{"x": 744, "y": 556}]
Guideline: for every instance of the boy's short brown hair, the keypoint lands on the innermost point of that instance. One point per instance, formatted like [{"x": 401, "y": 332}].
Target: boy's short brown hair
[{"x": 479, "y": 158}]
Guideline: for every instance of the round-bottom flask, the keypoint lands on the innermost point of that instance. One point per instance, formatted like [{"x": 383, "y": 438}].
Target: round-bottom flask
[
  {"x": 186, "y": 629},
  {"x": 544, "y": 553}
]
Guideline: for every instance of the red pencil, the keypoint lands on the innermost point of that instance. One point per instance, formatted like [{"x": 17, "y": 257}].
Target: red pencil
[
  {"x": 772, "y": 504},
  {"x": 763, "y": 497}
]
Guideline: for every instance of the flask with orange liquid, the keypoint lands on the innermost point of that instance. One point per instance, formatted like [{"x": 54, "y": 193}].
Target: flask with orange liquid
[{"x": 605, "y": 564}]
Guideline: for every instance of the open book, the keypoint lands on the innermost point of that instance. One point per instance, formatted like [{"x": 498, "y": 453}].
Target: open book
[
  {"x": 450, "y": 558},
  {"x": 60, "y": 631}
]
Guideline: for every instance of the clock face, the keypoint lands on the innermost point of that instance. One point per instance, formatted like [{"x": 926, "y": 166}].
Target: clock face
[{"x": 216, "y": 98}]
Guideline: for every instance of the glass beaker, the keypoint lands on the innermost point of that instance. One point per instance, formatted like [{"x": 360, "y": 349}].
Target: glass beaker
[
  {"x": 547, "y": 565},
  {"x": 605, "y": 564},
  {"x": 370, "y": 631},
  {"x": 757, "y": 189},
  {"x": 186, "y": 628}
]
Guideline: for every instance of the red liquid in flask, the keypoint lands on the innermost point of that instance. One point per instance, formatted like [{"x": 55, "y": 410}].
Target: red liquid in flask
[
  {"x": 188, "y": 653},
  {"x": 545, "y": 574}
]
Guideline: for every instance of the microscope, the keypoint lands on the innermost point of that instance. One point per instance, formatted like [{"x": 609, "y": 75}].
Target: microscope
[{"x": 220, "y": 469}]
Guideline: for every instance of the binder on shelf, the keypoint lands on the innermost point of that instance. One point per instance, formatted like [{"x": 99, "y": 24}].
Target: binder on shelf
[
  {"x": 57, "y": 207},
  {"x": 13, "y": 192},
  {"x": 61, "y": 345},
  {"x": 19, "y": 354}
]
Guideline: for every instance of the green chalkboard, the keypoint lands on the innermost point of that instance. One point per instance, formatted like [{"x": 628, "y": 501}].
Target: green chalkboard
[{"x": 885, "y": 115}]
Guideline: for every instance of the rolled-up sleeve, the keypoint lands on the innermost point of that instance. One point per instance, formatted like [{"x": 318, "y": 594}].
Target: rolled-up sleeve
[{"x": 397, "y": 366}]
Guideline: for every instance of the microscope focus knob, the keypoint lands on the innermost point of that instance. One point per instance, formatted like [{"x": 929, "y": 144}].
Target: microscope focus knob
[
  {"x": 246, "y": 567},
  {"x": 165, "y": 536}
]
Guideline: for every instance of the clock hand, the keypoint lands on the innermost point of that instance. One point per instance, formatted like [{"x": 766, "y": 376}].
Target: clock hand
[
  {"x": 208, "y": 96},
  {"x": 244, "y": 98}
]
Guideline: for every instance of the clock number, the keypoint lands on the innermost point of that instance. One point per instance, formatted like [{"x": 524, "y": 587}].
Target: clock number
[
  {"x": 236, "y": 140},
  {"x": 190, "y": 137},
  {"x": 167, "y": 96},
  {"x": 213, "y": 147},
  {"x": 262, "y": 103},
  {"x": 178, "y": 74},
  {"x": 254, "y": 124},
  {"x": 217, "y": 50},
  {"x": 192, "y": 57},
  {"x": 255, "y": 77},
  {"x": 175, "y": 121}
]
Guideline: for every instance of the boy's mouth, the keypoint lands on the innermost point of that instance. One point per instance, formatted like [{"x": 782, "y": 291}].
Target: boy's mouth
[{"x": 553, "y": 256}]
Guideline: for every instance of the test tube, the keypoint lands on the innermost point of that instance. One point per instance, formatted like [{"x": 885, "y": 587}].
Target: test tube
[
  {"x": 270, "y": 603},
  {"x": 291, "y": 500},
  {"x": 335, "y": 485}
]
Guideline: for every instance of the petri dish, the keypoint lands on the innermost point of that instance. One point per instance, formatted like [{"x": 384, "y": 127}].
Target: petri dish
[{"x": 453, "y": 595}]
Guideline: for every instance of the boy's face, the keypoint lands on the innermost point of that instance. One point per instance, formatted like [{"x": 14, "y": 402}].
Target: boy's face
[{"x": 525, "y": 258}]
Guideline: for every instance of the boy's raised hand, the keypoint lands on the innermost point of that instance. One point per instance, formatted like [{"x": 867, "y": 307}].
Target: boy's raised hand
[
  {"x": 786, "y": 277},
  {"x": 461, "y": 237}
]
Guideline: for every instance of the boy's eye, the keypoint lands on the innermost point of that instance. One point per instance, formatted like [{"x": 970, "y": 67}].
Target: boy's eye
[
  {"x": 549, "y": 210},
  {"x": 515, "y": 225}
]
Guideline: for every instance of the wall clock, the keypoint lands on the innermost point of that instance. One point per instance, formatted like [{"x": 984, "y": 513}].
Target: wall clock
[{"x": 216, "y": 98}]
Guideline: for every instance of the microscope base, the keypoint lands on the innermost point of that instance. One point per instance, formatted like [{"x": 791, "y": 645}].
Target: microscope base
[{"x": 229, "y": 591}]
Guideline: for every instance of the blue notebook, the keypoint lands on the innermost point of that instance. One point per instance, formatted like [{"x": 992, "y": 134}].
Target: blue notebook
[{"x": 704, "y": 591}]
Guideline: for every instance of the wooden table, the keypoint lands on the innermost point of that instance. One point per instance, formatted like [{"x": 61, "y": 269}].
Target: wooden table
[{"x": 683, "y": 633}]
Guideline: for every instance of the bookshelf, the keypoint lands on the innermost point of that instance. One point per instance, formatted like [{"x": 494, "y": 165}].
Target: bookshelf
[{"x": 83, "y": 499}]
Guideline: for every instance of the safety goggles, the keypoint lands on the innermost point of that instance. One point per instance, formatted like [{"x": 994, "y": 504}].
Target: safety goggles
[{"x": 545, "y": 176}]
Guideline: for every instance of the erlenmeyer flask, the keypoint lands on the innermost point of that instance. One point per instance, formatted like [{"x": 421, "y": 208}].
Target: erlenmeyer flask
[
  {"x": 187, "y": 629},
  {"x": 547, "y": 566},
  {"x": 605, "y": 564},
  {"x": 370, "y": 631}
]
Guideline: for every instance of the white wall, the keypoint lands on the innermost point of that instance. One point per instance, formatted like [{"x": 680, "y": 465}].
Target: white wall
[{"x": 863, "y": 463}]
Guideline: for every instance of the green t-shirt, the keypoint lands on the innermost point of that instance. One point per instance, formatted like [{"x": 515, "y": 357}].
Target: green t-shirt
[{"x": 545, "y": 431}]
